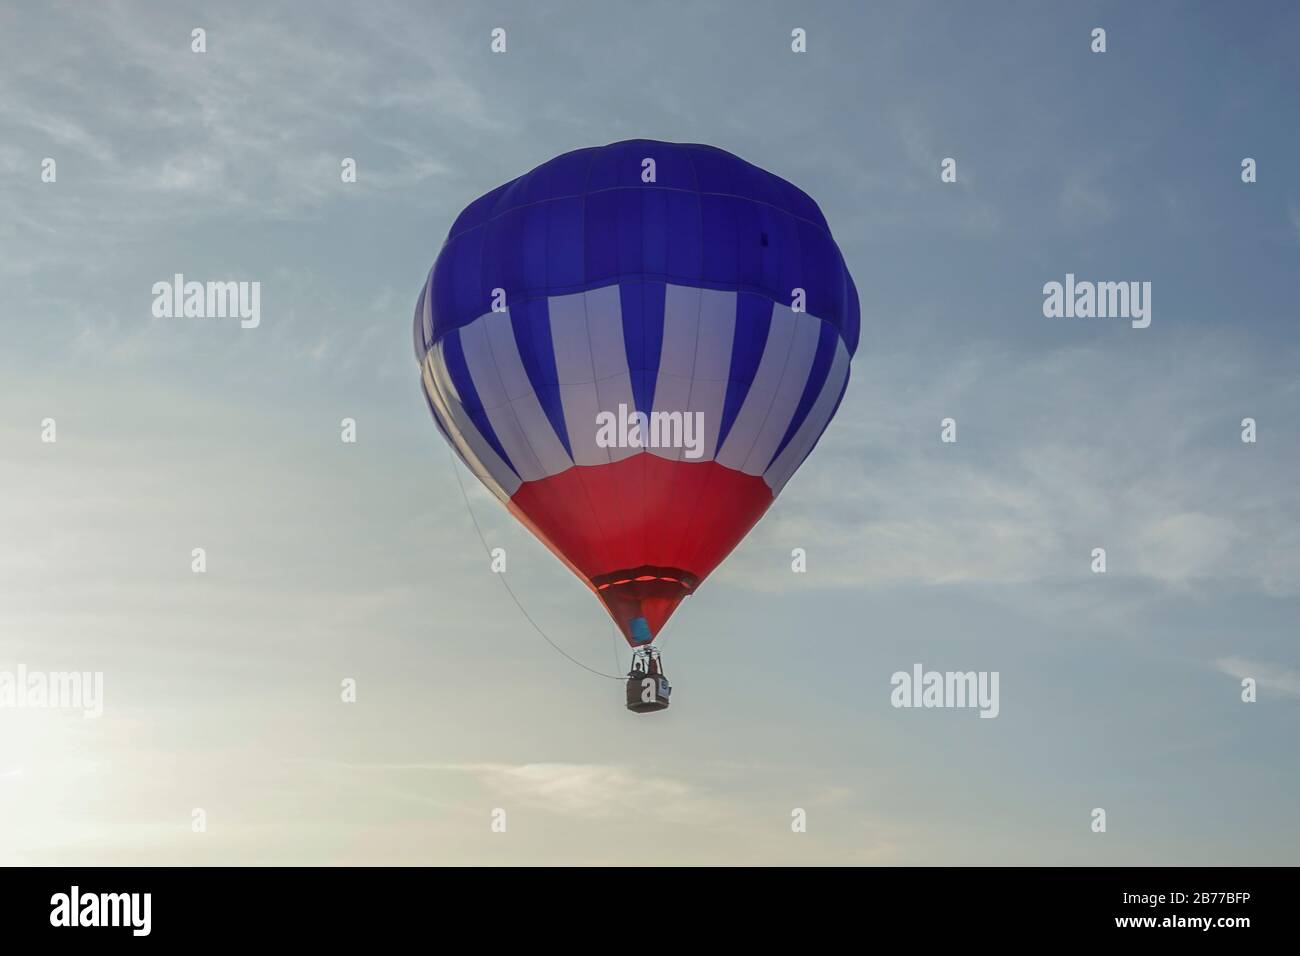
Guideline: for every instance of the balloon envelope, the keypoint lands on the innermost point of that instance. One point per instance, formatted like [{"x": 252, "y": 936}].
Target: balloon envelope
[{"x": 671, "y": 281}]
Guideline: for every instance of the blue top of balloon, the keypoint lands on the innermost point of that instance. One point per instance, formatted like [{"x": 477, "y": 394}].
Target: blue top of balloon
[{"x": 590, "y": 218}]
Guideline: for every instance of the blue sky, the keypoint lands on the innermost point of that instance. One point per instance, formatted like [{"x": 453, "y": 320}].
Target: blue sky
[{"x": 329, "y": 561}]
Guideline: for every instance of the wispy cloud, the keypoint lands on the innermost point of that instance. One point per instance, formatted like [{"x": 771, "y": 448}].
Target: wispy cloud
[
  {"x": 1267, "y": 676},
  {"x": 1085, "y": 203},
  {"x": 587, "y": 790},
  {"x": 256, "y": 126},
  {"x": 1028, "y": 490}
]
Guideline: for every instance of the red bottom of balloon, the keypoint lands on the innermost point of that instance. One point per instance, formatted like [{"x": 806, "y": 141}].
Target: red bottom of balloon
[{"x": 642, "y": 532}]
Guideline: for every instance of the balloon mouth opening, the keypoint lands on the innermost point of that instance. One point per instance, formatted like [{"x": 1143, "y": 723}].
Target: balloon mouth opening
[
  {"x": 646, "y": 575},
  {"x": 640, "y": 600}
]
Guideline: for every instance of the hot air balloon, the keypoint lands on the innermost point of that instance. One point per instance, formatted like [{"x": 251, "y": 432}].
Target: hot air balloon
[{"x": 663, "y": 287}]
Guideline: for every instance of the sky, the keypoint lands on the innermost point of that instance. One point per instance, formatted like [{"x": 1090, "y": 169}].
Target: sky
[{"x": 330, "y": 561}]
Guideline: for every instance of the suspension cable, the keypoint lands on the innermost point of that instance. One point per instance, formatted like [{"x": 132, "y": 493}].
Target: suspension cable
[{"x": 511, "y": 591}]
